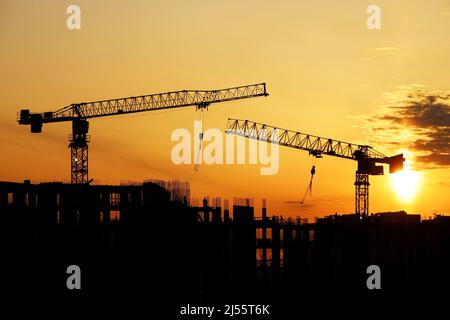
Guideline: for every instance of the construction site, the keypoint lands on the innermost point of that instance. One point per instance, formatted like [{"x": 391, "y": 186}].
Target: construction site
[
  {"x": 153, "y": 235},
  {"x": 369, "y": 161},
  {"x": 126, "y": 238},
  {"x": 168, "y": 158}
]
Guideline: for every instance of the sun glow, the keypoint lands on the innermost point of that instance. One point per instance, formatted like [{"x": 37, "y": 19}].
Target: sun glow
[{"x": 405, "y": 183}]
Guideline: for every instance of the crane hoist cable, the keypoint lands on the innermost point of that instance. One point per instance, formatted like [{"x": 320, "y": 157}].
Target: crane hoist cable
[
  {"x": 200, "y": 141},
  {"x": 309, "y": 188}
]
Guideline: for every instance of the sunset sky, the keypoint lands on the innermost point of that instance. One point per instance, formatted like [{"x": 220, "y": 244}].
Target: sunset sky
[{"x": 326, "y": 74}]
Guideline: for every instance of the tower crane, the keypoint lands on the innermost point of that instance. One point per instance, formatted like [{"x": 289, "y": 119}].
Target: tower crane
[
  {"x": 79, "y": 113},
  {"x": 366, "y": 157}
]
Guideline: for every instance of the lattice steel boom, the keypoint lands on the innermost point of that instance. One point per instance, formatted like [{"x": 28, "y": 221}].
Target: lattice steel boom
[
  {"x": 79, "y": 113},
  {"x": 365, "y": 155},
  {"x": 159, "y": 101}
]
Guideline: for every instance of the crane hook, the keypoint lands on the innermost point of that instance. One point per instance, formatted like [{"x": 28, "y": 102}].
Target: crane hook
[
  {"x": 309, "y": 188},
  {"x": 199, "y": 152}
]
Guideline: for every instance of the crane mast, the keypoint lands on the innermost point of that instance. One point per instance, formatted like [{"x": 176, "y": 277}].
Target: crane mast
[
  {"x": 366, "y": 157},
  {"x": 79, "y": 113}
]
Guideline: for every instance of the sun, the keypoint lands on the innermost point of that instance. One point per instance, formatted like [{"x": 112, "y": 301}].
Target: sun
[{"x": 405, "y": 183}]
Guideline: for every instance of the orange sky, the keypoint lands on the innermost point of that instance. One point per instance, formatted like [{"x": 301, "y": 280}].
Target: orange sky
[{"x": 326, "y": 73}]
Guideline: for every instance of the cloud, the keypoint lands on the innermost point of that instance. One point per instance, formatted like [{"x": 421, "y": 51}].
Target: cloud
[
  {"x": 383, "y": 49},
  {"x": 416, "y": 119},
  {"x": 313, "y": 201},
  {"x": 445, "y": 184},
  {"x": 371, "y": 53},
  {"x": 298, "y": 202},
  {"x": 20, "y": 137},
  {"x": 303, "y": 206}
]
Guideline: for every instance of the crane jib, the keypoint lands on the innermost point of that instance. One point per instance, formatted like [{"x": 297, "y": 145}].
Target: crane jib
[
  {"x": 160, "y": 101},
  {"x": 315, "y": 145}
]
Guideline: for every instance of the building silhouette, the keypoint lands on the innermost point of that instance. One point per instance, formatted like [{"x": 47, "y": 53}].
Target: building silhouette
[{"x": 132, "y": 238}]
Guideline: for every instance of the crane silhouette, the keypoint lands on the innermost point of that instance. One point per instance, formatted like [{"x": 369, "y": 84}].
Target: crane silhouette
[
  {"x": 366, "y": 157},
  {"x": 79, "y": 113}
]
